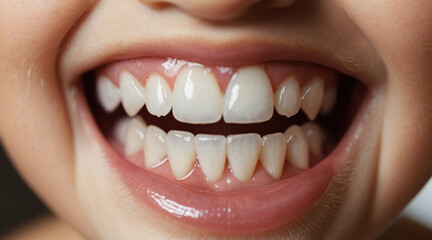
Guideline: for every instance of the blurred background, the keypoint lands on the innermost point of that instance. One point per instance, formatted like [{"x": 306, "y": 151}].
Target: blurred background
[{"x": 18, "y": 206}]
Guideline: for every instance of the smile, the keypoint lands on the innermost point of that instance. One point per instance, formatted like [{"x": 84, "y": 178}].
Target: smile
[{"x": 236, "y": 149}]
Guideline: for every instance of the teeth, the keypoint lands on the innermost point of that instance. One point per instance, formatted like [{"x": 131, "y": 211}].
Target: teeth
[
  {"x": 181, "y": 152},
  {"x": 120, "y": 129},
  {"x": 133, "y": 93},
  {"x": 211, "y": 154},
  {"x": 108, "y": 94},
  {"x": 135, "y": 134},
  {"x": 197, "y": 97},
  {"x": 312, "y": 95},
  {"x": 158, "y": 95},
  {"x": 248, "y": 97},
  {"x": 297, "y": 152},
  {"x": 287, "y": 97},
  {"x": 314, "y": 138},
  {"x": 329, "y": 100},
  {"x": 243, "y": 151},
  {"x": 155, "y": 148},
  {"x": 273, "y": 154}
]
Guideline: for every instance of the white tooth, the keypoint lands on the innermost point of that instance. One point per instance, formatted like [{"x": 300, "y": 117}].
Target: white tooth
[
  {"x": 287, "y": 97},
  {"x": 155, "y": 148},
  {"x": 135, "y": 134},
  {"x": 297, "y": 152},
  {"x": 248, "y": 97},
  {"x": 273, "y": 154},
  {"x": 329, "y": 100},
  {"x": 108, "y": 94},
  {"x": 133, "y": 93},
  {"x": 158, "y": 95},
  {"x": 197, "y": 97},
  {"x": 314, "y": 138},
  {"x": 181, "y": 152},
  {"x": 243, "y": 151},
  {"x": 120, "y": 129},
  {"x": 211, "y": 154},
  {"x": 312, "y": 95}
]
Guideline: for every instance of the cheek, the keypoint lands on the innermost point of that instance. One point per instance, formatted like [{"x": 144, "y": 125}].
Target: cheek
[
  {"x": 402, "y": 33},
  {"x": 34, "y": 122}
]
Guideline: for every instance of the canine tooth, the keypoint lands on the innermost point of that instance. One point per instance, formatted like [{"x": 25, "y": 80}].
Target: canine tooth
[
  {"x": 314, "y": 138},
  {"x": 120, "y": 129},
  {"x": 211, "y": 155},
  {"x": 297, "y": 152},
  {"x": 273, "y": 154},
  {"x": 312, "y": 95},
  {"x": 108, "y": 94},
  {"x": 135, "y": 134},
  {"x": 181, "y": 152},
  {"x": 248, "y": 97},
  {"x": 329, "y": 100},
  {"x": 287, "y": 97},
  {"x": 133, "y": 93},
  {"x": 197, "y": 97},
  {"x": 155, "y": 148},
  {"x": 158, "y": 95},
  {"x": 243, "y": 151}
]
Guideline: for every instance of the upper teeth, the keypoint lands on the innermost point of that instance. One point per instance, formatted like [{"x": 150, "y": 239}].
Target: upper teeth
[
  {"x": 248, "y": 97},
  {"x": 197, "y": 97},
  {"x": 243, "y": 151},
  {"x": 109, "y": 95},
  {"x": 158, "y": 95},
  {"x": 133, "y": 93}
]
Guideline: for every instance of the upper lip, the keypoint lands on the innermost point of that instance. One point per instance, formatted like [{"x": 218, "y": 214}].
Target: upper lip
[{"x": 240, "y": 51}]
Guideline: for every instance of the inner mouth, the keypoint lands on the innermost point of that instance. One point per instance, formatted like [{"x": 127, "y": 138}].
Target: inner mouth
[{"x": 224, "y": 149}]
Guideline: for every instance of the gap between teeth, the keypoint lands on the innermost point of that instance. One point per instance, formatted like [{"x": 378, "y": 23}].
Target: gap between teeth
[
  {"x": 213, "y": 152},
  {"x": 197, "y": 98}
]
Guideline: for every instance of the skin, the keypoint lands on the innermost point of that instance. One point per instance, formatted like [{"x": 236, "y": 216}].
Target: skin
[{"x": 44, "y": 43}]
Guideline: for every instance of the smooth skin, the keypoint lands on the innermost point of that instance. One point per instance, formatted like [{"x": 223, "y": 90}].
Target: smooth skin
[{"x": 44, "y": 44}]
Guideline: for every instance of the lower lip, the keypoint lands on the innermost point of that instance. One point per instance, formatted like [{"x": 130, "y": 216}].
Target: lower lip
[{"x": 248, "y": 211}]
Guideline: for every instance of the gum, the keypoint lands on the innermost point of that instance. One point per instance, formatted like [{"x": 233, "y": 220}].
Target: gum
[{"x": 141, "y": 68}]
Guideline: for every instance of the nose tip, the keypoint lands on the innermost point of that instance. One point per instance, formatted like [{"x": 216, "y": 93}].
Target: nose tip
[{"x": 217, "y": 9}]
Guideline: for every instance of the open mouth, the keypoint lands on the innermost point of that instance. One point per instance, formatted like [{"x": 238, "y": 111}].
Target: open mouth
[{"x": 245, "y": 148}]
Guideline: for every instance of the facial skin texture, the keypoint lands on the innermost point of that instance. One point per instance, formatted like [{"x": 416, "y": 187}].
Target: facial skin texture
[{"x": 45, "y": 45}]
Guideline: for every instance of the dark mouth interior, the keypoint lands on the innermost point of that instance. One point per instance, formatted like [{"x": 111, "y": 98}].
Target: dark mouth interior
[{"x": 351, "y": 94}]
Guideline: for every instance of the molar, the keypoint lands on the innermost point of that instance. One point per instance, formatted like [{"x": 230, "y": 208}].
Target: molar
[
  {"x": 248, "y": 97},
  {"x": 181, "y": 152},
  {"x": 120, "y": 129},
  {"x": 211, "y": 154},
  {"x": 135, "y": 134},
  {"x": 108, "y": 94},
  {"x": 273, "y": 154},
  {"x": 287, "y": 97},
  {"x": 197, "y": 97},
  {"x": 133, "y": 93},
  {"x": 155, "y": 149},
  {"x": 158, "y": 95},
  {"x": 329, "y": 100},
  {"x": 243, "y": 151},
  {"x": 314, "y": 138},
  {"x": 312, "y": 95},
  {"x": 297, "y": 152}
]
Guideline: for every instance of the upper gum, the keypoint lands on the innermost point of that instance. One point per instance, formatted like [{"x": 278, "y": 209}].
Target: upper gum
[{"x": 277, "y": 71}]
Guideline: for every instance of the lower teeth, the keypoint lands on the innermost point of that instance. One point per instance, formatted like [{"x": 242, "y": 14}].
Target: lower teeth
[{"x": 242, "y": 151}]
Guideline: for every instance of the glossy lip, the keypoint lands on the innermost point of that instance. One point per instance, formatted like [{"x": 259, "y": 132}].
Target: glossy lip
[{"x": 255, "y": 210}]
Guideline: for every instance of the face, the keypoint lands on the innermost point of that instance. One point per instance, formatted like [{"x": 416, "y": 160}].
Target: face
[{"x": 150, "y": 119}]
